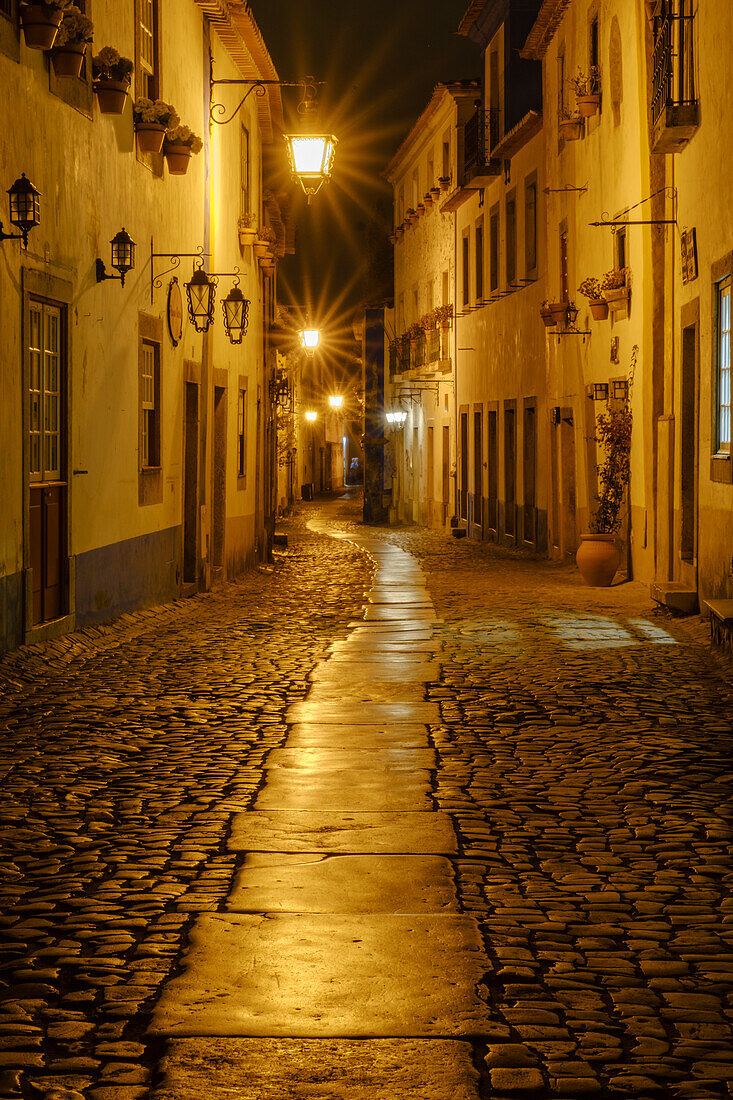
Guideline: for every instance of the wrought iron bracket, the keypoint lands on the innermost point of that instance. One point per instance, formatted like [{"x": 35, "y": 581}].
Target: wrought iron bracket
[
  {"x": 620, "y": 221},
  {"x": 156, "y": 281},
  {"x": 258, "y": 86},
  {"x": 572, "y": 332},
  {"x": 14, "y": 236}
]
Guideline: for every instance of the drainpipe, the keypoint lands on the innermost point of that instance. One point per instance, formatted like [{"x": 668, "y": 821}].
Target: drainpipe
[{"x": 454, "y": 520}]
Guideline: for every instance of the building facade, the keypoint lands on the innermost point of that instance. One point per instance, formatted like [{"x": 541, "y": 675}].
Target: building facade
[{"x": 135, "y": 457}]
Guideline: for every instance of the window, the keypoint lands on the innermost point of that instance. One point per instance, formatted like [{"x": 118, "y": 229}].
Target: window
[
  {"x": 401, "y": 205},
  {"x": 593, "y": 40},
  {"x": 723, "y": 365},
  {"x": 620, "y": 249},
  {"x": 564, "y": 282},
  {"x": 244, "y": 177},
  {"x": 511, "y": 239},
  {"x": 149, "y": 404},
  {"x": 480, "y": 261},
  {"x": 147, "y": 49},
  {"x": 430, "y": 182},
  {"x": 530, "y": 227},
  {"x": 45, "y": 393},
  {"x": 466, "y": 269},
  {"x": 416, "y": 197},
  {"x": 446, "y": 156},
  {"x": 241, "y": 434},
  {"x": 494, "y": 249},
  {"x": 6, "y": 8},
  {"x": 561, "y": 85}
]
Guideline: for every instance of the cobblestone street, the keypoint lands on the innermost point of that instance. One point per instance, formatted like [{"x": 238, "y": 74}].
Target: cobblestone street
[{"x": 576, "y": 742}]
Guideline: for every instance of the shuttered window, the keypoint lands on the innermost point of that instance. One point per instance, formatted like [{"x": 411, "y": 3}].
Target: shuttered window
[
  {"x": 44, "y": 423},
  {"x": 149, "y": 404},
  {"x": 723, "y": 365}
]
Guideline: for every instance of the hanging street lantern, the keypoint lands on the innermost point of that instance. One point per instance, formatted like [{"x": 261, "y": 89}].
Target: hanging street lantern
[
  {"x": 310, "y": 338},
  {"x": 335, "y": 401},
  {"x": 123, "y": 257},
  {"x": 201, "y": 295},
  {"x": 311, "y": 154},
  {"x": 25, "y": 210},
  {"x": 311, "y": 415},
  {"x": 236, "y": 314}
]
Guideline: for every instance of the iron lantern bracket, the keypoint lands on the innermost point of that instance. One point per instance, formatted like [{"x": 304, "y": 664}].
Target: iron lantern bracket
[
  {"x": 23, "y": 236},
  {"x": 102, "y": 273},
  {"x": 156, "y": 281},
  {"x": 259, "y": 87}
]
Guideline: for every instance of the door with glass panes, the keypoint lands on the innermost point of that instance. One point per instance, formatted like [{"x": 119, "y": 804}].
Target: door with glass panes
[{"x": 46, "y": 450}]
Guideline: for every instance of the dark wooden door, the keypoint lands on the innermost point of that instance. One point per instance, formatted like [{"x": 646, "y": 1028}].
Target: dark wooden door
[{"x": 46, "y": 448}]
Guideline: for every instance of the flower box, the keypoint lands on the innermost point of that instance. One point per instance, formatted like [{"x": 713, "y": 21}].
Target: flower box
[
  {"x": 40, "y": 23},
  {"x": 571, "y": 128}
]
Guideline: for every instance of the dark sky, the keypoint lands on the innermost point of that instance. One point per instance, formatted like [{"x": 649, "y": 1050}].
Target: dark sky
[{"x": 381, "y": 60}]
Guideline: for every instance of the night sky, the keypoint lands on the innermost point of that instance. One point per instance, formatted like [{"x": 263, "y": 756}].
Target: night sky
[{"x": 381, "y": 60}]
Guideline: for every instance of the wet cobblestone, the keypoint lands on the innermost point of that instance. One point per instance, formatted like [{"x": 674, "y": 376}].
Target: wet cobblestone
[{"x": 118, "y": 748}]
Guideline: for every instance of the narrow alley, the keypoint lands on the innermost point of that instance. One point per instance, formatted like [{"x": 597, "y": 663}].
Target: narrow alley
[{"x": 402, "y": 816}]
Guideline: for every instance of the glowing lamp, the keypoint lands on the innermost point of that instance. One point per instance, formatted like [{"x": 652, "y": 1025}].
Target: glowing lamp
[
  {"x": 236, "y": 315},
  {"x": 25, "y": 210},
  {"x": 310, "y": 338},
  {"x": 122, "y": 249},
  {"x": 201, "y": 293},
  {"x": 335, "y": 401},
  {"x": 311, "y": 159},
  {"x": 311, "y": 415}
]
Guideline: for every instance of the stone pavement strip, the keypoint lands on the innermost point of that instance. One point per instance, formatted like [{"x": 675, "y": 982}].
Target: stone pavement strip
[
  {"x": 473, "y": 841},
  {"x": 343, "y": 933}
]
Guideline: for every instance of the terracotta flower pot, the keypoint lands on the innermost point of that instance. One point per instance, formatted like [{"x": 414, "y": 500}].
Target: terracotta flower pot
[
  {"x": 435, "y": 191},
  {"x": 111, "y": 95},
  {"x": 40, "y": 25},
  {"x": 598, "y": 559},
  {"x": 178, "y": 158},
  {"x": 571, "y": 128},
  {"x": 68, "y": 60},
  {"x": 150, "y": 136},
  {"x": 588, "y": 104},
  {"x": 261, "y": 249},
  {"x": 548, "y": 318},
  {"x": 247, "y": 236},
  {"x": 616, "y": 294},
  {"x": 599, "y": 310}
]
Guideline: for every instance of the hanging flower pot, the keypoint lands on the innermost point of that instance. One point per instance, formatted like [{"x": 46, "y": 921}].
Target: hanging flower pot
[
  {"x": 588, "y": 105},
  {"x": 150, "y": 136},
  {"x": 599, "y": 309},
  {"x": 571, "y": 128},
  {"x": 261, "y": 249},
  {"x": 40, "y": 23},
  {"x": 427, "y": 200},
  {"x": 435, "y": 192},
  {"x": 247, "y": 230},
  {"x": 111, "y": 95},
  {"x": 444, "y": 182},
  {"x": 68, "y": 60},
  {"x": 177, "y": 157},
  {"x": 598, "y": 559},
  {"x": 552, "y": 313}
]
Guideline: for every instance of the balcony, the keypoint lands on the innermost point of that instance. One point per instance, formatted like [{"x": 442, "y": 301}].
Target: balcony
[
  {"x": 674, "y": 107},
  {"x": 480, "y": 134}
]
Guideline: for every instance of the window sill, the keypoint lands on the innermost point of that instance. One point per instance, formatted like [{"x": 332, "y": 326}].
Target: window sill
[
  {"x": 241, "y": 481},
  {"x": 721, "y": 468}
]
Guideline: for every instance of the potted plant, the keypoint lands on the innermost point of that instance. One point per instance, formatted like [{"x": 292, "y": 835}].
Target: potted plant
[
  {"x": 264, "y": 246},
  {"x": 410, "y": 215},
  {"x": 151, "y": 119},
  {"x": 41, "y": 21},
  {"x": 615, "y": 288},
  {"x": 435, "y": 192},
  {"x": 420, "y": 209},
  {"x": 444, "y": 316},
  {"x": 592, "y": 290},
  {"x": 552, "y": 312},
  {"x": 247, "y": 229},
  {"x": 400, "y": 230},
  {"x": 427, "y": 200},
  {"x": 598, "y": 556},
  {"x": 444, "y": 182},
  {"x": 588, "y": 91},
  {"x": 111, "y": 73},
  {"x": 179, "y": 144},
  {"x": 67, "y": 55},
  {"x": 571, "y": 127}
]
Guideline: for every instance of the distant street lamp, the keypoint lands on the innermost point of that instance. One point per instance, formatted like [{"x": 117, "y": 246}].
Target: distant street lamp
[
  {"x": 311, "y": 415},
  {"x": 397, "y": 417},
  {"x": 201, "y": 293},
  {"x": 335, "y": 401},
  {"x": 310, "y": 338}
]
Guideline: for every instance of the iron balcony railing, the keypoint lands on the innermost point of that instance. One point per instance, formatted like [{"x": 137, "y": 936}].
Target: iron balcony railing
[
  {"x": 673, "y": 70},
  {"x": 480, "y": 135},
  {"x": 433, "y": 348}
]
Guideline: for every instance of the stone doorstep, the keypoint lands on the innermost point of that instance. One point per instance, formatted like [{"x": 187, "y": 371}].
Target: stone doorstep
[
  {"x": 330, "y": 976},
  {"x": 331, "y": 1069},
  {"x": 676, "y": 596}
]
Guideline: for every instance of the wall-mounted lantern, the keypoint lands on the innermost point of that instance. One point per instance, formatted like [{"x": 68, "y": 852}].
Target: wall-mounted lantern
[
  {"x": 335, "y": 401},
  {"x": 201, "y": 295},
  {"x": 311, "y": 415},
  {"x": 600, "y": 391},
  {"x": 310, "y": 338},
  {"x": 311, "y": 154},
  {"x": 122, "y": 249},
  {"x": 571, "y": 313},
  {"x": 621, "y": 390},
  {"x": 235, "y": 308},
  {"x": 25, "y": 210}
]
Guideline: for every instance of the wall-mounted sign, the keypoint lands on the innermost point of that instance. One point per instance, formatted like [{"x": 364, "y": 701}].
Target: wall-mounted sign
[
  {"x": 689, "y": 255},
  {"x": 175, "y": 312}
]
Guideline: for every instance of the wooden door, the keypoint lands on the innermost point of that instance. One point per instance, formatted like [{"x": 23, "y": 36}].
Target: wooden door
[{"x": 46, "y": 449}]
